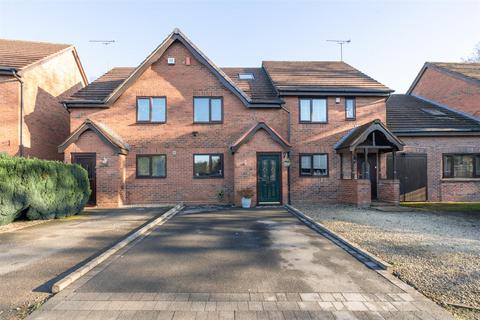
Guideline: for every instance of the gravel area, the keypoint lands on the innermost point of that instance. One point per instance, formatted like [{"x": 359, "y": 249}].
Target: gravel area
[{"x": 437, "y": 253}]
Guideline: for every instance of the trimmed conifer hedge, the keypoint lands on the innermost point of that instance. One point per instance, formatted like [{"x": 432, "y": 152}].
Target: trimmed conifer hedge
[{"x": 41, "y": 189}]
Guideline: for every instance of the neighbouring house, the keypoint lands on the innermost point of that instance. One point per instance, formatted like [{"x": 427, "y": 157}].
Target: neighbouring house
[
  {"x": 455, "y": 85},
  {"x": 441, "y": 157},
  {"x": 35, "y": 78},
  {"x": 438, "y": 120},
  {"x": 179, "y": 128}
]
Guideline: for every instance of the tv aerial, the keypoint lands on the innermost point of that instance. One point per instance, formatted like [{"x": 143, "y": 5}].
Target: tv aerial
[{"x": 341, "y": 43}]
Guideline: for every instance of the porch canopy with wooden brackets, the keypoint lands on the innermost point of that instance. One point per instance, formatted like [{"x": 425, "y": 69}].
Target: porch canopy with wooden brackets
[{"x": 370, "y": 138}]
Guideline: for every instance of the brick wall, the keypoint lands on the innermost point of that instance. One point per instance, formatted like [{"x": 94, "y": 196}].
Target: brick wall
[
  {"x": 9, "y": 121},
  {"x": 355, "y": 192},
  {"x": 110, "y": 184},
  {"x": 388, "y": 191},
  {"x": 179, "y": 138},
  {"x": 440, "y": 189},
  {"x": 449, "y": 90},
  {"x": 245, "y": 165},
  {"x": 46, "y": 122},
  {"x": 321, "y": 138}
]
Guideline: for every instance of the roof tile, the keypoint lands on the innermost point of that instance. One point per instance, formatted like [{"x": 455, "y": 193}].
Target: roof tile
[
  {"x": 21, "y": 54},
  {"x": 101, "y": 88},
  {"x": 320, "y": 75},
  {"x": 468, "y": 70},
  {"x": 407, "y": 113},
  {"x": 260, "y": 88}
]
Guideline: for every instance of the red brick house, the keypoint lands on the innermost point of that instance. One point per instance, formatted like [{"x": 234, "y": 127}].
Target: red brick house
[
  {"x": 438, "y": 120},
  {"x": 179, "y": 128},
  {"x": 34, "y": 79},
  {"x": 455, "y": 85}
]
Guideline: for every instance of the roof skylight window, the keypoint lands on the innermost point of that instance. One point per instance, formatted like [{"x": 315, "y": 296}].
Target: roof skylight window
[
  {"x": 246, "y": 76},
  {"x": 434, "y": 112}
]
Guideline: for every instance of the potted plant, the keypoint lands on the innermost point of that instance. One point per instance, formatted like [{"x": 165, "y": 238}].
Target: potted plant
[{"x": 247, "y": 195}]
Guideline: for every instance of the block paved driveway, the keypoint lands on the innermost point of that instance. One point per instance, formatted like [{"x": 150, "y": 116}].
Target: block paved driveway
[{"x": 236, "y": 264}]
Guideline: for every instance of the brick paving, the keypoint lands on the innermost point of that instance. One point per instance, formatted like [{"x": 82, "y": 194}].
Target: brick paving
[{"x": 271, "y": 305}]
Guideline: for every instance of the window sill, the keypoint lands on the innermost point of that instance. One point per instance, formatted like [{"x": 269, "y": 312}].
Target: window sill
[
  {"x": 311, "y": 122},
  {"x": 460, "y": 180},
  {"x": 150, "y": 178},
  {"x": 312, "y": 176},
  {"x": 209, "y": 177},
  {"x": 150, "y": 122}
]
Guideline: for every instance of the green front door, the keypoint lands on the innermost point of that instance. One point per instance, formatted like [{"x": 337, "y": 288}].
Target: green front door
[{"x": 269, "y": 180}]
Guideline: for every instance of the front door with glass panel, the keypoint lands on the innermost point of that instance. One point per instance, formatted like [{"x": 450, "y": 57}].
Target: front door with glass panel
[{"x": 269, "y": 181}]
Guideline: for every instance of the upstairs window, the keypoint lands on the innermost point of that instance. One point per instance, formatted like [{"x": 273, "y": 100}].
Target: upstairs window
[
  {"x": 207, "y": 110},
  {"x": 208, "y": 165},
  {"x": 313, "y": 110},
  {"x": 350, "y": 108},
  {"x": 314, "y": 164},
  {"x": 152, "y": 109},
  {"x": 461, "y": 166},
  {"x": 246, "y": 76},
  {"x": 151, "y": 166}
]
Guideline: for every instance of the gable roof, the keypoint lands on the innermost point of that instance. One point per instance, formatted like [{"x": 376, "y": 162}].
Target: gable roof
[
  {"x": 176, "y": 35},
  {"x": 273, "y": 79},
  {"x": 359, "y": 134},
  {"x": 260, "y": 88},
  {"x": 18, "y": 56},
  {"x": 466, "y": 71},
  {"x": 410, "y": 115},
  {"x": 102, "y": 131},
  {"x": 321, "y": 76},
  {"x": 248, "y": 135}
]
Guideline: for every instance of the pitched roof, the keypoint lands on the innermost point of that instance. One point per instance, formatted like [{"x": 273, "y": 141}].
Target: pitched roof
[
  {"x": 359, "y": 134},
  {"x": 321, "y": 76},
  {"x": 251, "y": 132},
  {"x": 19, "y": 55},
  {"x": 468, "y": 70},
  {"x": 410, "y": 115},
  {"x": 273, "y": 76},
  {"x": 176, "y": 35},
  {"x": 463, "y": 70},
  {"x": 101, "y": 88},
  {"x": 260, "y": 88},
  {"x": 103, "y": 132}
]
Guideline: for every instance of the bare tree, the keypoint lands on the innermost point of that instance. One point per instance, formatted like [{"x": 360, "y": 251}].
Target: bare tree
[{"x": 475, "y": 57}]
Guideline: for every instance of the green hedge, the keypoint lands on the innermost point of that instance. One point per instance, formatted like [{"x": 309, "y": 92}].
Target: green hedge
[{"x": 41, "y": 189}]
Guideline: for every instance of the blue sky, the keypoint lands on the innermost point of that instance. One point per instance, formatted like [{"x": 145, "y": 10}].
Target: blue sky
[{"x": 390, "y": 39}]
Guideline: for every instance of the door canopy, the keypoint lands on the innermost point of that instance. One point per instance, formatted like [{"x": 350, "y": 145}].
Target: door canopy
[
  {"x": 247, "y": 136},
  {"x": 372, "y": 135}
]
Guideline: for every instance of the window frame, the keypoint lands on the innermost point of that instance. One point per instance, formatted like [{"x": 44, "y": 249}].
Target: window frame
[
  {"x": 311, "y": 110},
  {"x": 150, "y": 176},
  {"x": 150, "y": 109},
  {"x": 248, "y": 74},
  {"x": 452, "y": 165},
  {"x": 210, "y": 98},
  {"x": 311, "y": 175},
  {"x": 209, "y": 165},
  {"x": 354, "y": 108}
]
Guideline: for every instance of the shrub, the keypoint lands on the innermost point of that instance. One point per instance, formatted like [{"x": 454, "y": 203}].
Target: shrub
[
  {"x": 41, "y": 189},
  {"x": 247, "y": 193}
]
